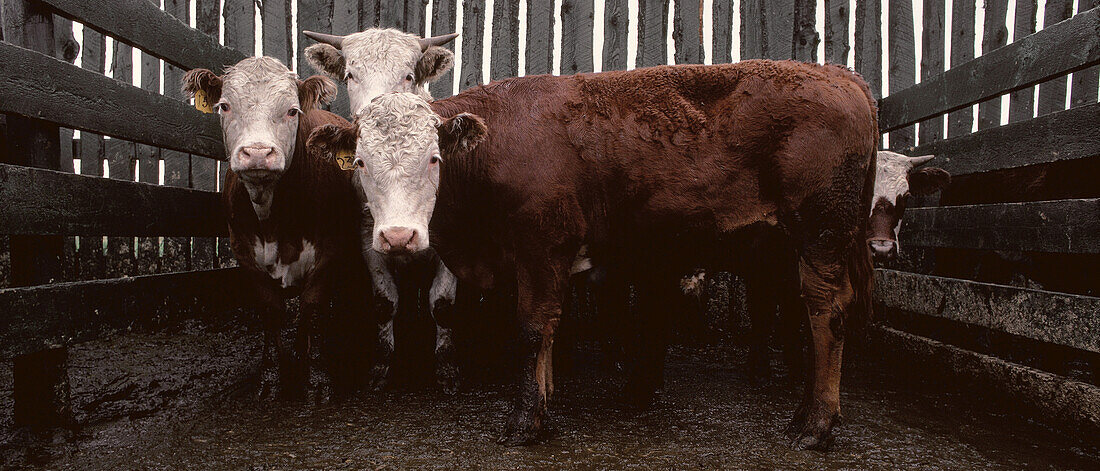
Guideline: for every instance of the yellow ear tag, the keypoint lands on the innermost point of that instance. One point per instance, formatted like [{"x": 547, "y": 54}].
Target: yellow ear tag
[
  {"x": 345, "y": 159},
  {"x": 202, "y": 102}
]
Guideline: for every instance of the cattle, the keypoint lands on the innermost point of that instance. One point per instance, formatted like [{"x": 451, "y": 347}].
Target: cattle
[
  {"x": 384, "y": 61},
  {"x": 293, "y": 218},
  {"x": 895, "y": 182},
  {"x": 657, "y": 171}
]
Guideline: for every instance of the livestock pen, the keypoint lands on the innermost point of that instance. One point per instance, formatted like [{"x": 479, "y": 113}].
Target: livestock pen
[{"x": 125, "y": 337}]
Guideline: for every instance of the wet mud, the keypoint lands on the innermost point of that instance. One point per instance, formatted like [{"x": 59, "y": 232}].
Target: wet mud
[{"x": 710, "y": 416}]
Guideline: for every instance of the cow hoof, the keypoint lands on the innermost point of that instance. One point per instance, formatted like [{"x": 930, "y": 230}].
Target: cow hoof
[
  {"x": 447, "y": 377},
  {"x": 379, "y": 378},
  {"x": 815, "y": 431},
  {"x": 810, "y": 442},
  {"x": 519, "y": 433}
]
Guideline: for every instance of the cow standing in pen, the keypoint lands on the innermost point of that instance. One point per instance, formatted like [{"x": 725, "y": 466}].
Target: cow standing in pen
[
  {"x": 374, "y": 62},
  {"x": 293, "y": 218},
  {"x": 657, "y": 171}
]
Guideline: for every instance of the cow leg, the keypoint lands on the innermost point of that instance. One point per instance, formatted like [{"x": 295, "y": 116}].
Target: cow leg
[
  {"x": 442, "y": 302},
  {"x": 792, "y": 314},
  {"x": 827, "y": 291},
  {"x": 541, "y": 289},
  {"x": 385, "y": 305},
  {"x": 272, "y": 312}
]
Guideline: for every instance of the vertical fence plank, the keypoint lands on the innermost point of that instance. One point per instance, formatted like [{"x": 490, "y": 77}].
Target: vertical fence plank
[
  {"x": 275, "y": 15},
  {"x": 778, "y": 18},
  {"x": 931, "y": 61},
  {"x": 177, "y": 165},
  {"x": 504, "y": 61},
  {"x": 1052, "y": 94},
  {"x": 120, "y": 156},
  {"x": 443, "y": 22},
  {"x": 752, "y": 29},
  {"x": 1021, "y": 103},
  {"x": 148, "y": 254},
  {"x": 652, "y": 29},
  {"x": 722, "y": 26},
  {"x": 836, "y": 31},
  {"x": 995, "y": 36},
  {"x": 313, "y": 15},
  {"x": 962, "y": 50},
  {"x": 540, "y": 38},
  {"x": 687, "y": 31},
  {"x": 92, "y": 154},
  {"x": 368, "y": 14},
  {"x": 204, "y": 172},
  {"x": 903, "y": 66},
  {"x": 1084, "y": 88},
  {"x": 576, "y": 36},
  {"x": 868, "y": 53},
  {"x": 473, "y": 26},
  {"x": 391, "y": 14},
  {"x": 415, "y": 11},
  {"x": 240, "y": 34},
  {"x": 345, "y": 16},
  {"x": 805, "y": 31}
]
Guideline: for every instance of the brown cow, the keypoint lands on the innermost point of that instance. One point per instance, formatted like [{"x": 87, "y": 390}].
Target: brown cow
[
  {"x": 293, "y": 218},
  {"x": 657, "y": 171}
]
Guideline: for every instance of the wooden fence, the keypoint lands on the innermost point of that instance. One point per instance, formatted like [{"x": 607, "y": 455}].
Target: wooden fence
[{"x": 83, "y": 255}]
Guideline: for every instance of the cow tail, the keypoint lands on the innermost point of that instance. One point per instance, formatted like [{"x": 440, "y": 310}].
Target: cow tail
[{"x": 860, "y": 269}]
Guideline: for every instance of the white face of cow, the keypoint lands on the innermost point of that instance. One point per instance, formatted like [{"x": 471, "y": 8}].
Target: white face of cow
[
  {"x": 894, "y": 181},
  {"x": 378, "y": 61},
  {"x": 397, "y": 151}
]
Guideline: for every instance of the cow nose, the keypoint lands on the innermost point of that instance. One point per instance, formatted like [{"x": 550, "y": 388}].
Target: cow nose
[
  {"x": 398, "y": 239},
  {"x": 255, "y": 156},
  {"x": 883, "y": 250}
]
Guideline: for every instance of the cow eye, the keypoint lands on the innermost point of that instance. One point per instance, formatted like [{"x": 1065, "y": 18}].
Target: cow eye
[
  {"x": 409, "y": 78},
  {"x": 293, "y": 112},
  {"x": 435, "y": 159},
  {"x": 348, "y": 76},
  {"x": 359, "y": 163},
  {"x": 222, "y": 107}
]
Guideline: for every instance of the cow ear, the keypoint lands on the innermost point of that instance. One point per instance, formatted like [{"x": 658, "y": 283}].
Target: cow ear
[
  {"x": 326, "y": 59},
  {"x": 435, "y": 62},
  {"x": 314, "y": 91},
  {"x": 196, "y": 80},
  {"x": 331, "y": 140},
  {"x": 928, "y": 180},
  {"x": 462, "y": 132}
]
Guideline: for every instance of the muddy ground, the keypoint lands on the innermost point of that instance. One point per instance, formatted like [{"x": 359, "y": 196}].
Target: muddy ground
[{"x": 186, "y": 401}]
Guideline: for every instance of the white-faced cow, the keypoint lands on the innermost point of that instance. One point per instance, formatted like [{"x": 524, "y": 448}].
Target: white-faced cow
[
  {"x": 374, "y": 62},
  {"x": 657, "y": 171},
  {"x": 293, "y": 218},
  {"x": 895, "y": 181}
]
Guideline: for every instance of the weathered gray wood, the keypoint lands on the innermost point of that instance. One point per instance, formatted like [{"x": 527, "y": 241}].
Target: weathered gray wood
[
  {"x": 1052, "y": 93},
  {"x": 779, "y": 30},
  {"x": 540, "y": 38},
  {"x": 391, "y": 14},
  {"x": 576, "y": 36},
  {"x": 504, "y": 59},
  {"x": 1059, "y": 318},
  {"x": 148, "y": 171},
  {"x": 313, "y": 15},
  {"x": 204, "y": 172},
  {"x": 415, "y": 19},
  {"x": 1083, "y": 91},
  {"x": 91, "y": 145},
  {"x": 868, "y": 54},
  {"x": 752, "y": 29},
  {"x": 931, "y": 62},
  {"x": 995, "y": 36},
  {"x": 368, "y": 14},
  {"x": 68, "y": 313},
  {"x": 240, "y": 25},
  {"x": 1056, "y": 50},
  {"x": 1021, "y": 103},
  {"x": 208, "y": 17},
  {"x": 121, "y": 157},
  {"x": 902, "y": 67},
  {"x": 39, "y": 201},
  {"x": 962, "y": 51},
  {"x": 1062, "y": 226},
  {"x": 687, "y": 31},
  {"x": 1065, "y": 135},
  {"x": 141, "y": 24},
  {"x": 652, "y": 29},
  {"x": 443, "y": 22},
  {"x": 722, "y": 26},
  {"x": 1047, "y": 394},
  {"x": 276, "y": 16},
  {"x": 177, "y": 165},
  {"x": 805, "y": 31},
  {"x": 836, "y": 30},
  {"x": 473, "y": 27},
  {"x": 85, "y": 100},
  {"x": 345, "y": 16}
]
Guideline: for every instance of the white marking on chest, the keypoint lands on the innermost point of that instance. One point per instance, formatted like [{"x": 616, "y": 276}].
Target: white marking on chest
[
  {"x": 288, "y": 274},
  {"x": 582, "y": 262}
]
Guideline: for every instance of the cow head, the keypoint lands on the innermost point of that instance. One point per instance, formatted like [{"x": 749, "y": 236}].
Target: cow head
[
  {"x": 895, "y": 181},
  {"x": 259, "y": 102},
  {"x": 378, "y": 61},
  {"x": 397, "y": 141}
]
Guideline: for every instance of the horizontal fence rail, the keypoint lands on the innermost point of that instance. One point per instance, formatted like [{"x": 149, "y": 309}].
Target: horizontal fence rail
[
  {"x": 37, "y": 201},
  {"x": 1063, "y": 319},
  {"x": 1065, "y": 135},
  {"x": 48, "y": 316},
  {"x": 1061, "y": 226},
  {"x": 1059, "y": 49},
  {"x": 45, "y": 88}
]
